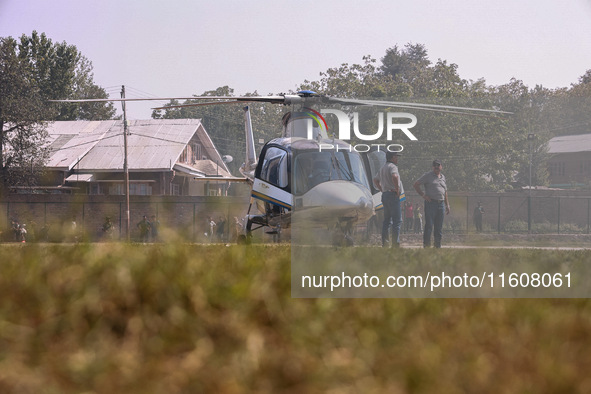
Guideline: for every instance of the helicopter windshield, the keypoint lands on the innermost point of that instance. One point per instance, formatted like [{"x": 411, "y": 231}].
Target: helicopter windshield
[{"x": 313, "y": 168}]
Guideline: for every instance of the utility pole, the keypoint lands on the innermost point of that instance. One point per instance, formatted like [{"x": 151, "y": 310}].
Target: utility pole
[{"x": 125, "y": 167}]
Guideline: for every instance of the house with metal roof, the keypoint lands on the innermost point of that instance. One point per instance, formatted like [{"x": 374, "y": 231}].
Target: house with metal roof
[
  {"x": 570, "y": 161},
  {"x": 165, "y": 157}
]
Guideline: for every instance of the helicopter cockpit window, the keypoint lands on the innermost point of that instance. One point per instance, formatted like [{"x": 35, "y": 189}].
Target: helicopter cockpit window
[
  {"x": 274, "y": 169},
  {"x": 314, "y": 168},
  {"x": 350, "y": 167}
]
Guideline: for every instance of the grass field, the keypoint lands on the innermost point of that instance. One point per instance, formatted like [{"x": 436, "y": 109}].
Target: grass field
[{"x": 116, "y": 318}]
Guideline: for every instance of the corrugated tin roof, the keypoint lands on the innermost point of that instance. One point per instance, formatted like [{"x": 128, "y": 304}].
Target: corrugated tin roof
[
  {"x": 81, "y": 137},
  {"x": 93, "y": 146},
  {"x": 80, "y": 178},
  {"x": 570, "y": 144},
  {"x": 203, "y": 168}
]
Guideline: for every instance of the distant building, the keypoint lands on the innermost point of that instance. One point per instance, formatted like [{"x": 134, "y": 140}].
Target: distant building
[
  {"x": 165, "y": 157},
  {"x": 570, "y": 161}
]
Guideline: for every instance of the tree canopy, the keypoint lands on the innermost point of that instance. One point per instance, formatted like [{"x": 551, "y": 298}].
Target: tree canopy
[{"x": 62, "y": 72}]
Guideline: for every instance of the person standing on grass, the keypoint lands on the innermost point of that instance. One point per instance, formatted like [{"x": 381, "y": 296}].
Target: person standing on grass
[
  {"x": 418, "y": 218},
  {"x": 388, "y": 182},
  {"x": 144, "y": 227},
  {"x": 408, "y": 217},
  {"x": 436, "y": 203},
  {"x": 478, "y": 212},
  {"x": 154, "y": 228}
]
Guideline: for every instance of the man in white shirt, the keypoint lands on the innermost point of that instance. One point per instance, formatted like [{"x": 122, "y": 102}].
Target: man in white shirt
[{"x": 388, "y": 182}]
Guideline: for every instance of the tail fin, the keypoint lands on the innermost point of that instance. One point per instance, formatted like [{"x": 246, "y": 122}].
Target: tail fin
[{"x": 250, "y": 163}]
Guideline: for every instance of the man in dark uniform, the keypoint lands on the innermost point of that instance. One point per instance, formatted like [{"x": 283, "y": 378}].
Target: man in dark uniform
[
  {"x": 388, "y": 182},
  {"x": 436, "y": 203},
  {"x": 478, "y": 212}
]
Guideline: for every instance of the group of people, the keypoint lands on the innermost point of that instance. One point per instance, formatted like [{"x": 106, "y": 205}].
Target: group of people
[
  {"x": 413, "y": 218},
  {"x": 431, "y": 187},
  {"x": 222, "y": 231},
  {"x": 217, "y": 231},
  {"x": 19, "y": 230}
]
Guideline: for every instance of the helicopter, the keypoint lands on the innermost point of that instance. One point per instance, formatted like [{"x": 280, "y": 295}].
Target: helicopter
[
  {"x": 304, "y": 178},
  {"x": 295, "y": 181}
]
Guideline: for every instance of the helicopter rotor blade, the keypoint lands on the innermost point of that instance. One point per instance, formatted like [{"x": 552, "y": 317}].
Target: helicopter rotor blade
[
  {"x": 199, "y": 104},
  {"x": 120, "y": 99},
  {"x": 267, "y": 99},
  {"x": 399, "y": 104},
  {"x": 307, "y": 97}
]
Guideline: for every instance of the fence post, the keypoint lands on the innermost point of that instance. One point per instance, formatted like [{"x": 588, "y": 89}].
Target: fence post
[
  {"x": 467, "y": 214},
  {"x": 558, "y": 215},
  {"x": 193, "y": 239},
  {"x": 588, "y": 209},
  {"x": 499, "y": 217},
  {"x": 120, "y": 215},
  {"x": 529, "y": 213}
]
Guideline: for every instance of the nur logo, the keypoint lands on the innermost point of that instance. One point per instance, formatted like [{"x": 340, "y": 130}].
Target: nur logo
[{"x": 344, "y": 123}]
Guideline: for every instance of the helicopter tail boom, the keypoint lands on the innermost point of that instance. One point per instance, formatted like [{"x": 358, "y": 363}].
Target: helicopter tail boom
[{"x": 250, "y": 162}]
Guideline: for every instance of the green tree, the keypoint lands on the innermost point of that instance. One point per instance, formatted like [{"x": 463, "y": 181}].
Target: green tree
[
  {"x": 575, "y": 108},
  {"x": 33, "y": 70},
  {"x": 410, "y": 68},
  {"x": 352, "y": 81},
  {"x": 62, "y": 72},
  {"x": 22, "y": 114}
]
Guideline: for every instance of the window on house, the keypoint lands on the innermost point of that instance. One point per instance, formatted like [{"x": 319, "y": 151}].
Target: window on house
[
  {"x": 95, "y": 188},
  {"x": 557, "y": 168},
  {"x": 175, "y": 189},
  {"x": 196, "y": 152},
  {"x": 140, "y": 189},
  {"x": 185, "y": 155},
  {"x": 117, "y": 189}
]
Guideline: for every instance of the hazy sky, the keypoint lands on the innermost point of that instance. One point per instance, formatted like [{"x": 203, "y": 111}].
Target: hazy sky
[{"x": 184, "y": 47}]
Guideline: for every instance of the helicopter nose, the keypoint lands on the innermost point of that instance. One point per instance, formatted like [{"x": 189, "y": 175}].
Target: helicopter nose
[{"x": 341, "y": 198}]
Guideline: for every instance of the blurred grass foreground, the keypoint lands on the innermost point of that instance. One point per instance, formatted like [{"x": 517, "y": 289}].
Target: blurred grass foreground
[{"x": 177, "y": 318}]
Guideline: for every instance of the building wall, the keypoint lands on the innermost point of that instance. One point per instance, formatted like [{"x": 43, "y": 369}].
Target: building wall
[
  {"x": 156, "y": 183},
  {"x": 569, "y": 168}
]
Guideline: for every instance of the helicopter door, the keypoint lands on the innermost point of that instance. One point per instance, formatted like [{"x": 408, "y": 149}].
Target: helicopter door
[
  {"x": 272, "y": 183},
  {"x": 374, "y": 161}
]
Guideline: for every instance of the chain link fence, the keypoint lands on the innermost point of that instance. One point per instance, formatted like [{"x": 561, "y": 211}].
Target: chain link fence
[{"x": 518, "y": 214}]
